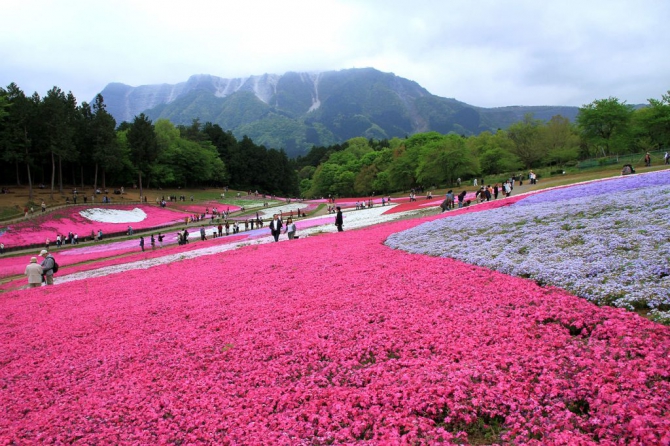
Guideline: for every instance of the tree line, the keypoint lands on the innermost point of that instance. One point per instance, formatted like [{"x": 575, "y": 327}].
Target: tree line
[
  {"x": 52, "y": 140},
  {"x": 604, "y": 127}
]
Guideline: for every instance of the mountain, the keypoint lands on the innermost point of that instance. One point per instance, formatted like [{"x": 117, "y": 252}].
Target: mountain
[{"x": 295, "y": 111}]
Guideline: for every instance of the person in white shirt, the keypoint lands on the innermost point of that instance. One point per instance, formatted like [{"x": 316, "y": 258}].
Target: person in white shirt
[
  {"x": 275, "y": 227},
  {"x": 34, "y": 273}
]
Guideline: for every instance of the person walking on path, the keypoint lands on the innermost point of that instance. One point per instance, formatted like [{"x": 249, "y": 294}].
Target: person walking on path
[
  {"x": 160, "y": 239},
  {"x": 339, "y": 221},
  {"x": 290, "y": 228},
  {"x": 275, "y": 227},
  {"x": 34, "y": 273},
  {"x": 153, "y": 242},
  {"x": 142, "y": 243},
  {"x": 48, "y": 266}
]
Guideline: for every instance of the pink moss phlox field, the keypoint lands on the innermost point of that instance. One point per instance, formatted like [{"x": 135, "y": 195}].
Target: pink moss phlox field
[
  {"x": 329, "y": 339},
  {"x": 63, "y": 221},
  {"x": 201, "y": 207},
  {"x": 422, "y": 202},
  {"x": 86, "y": 262}
]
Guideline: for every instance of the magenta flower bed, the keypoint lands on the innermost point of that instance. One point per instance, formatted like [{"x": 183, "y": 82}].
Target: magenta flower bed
[
  {"x": 123, "y": 252},
  {"x": 34, "y": 231},
  {"x": 329, "y": 339},
  {"x": 199, "y": 208}
]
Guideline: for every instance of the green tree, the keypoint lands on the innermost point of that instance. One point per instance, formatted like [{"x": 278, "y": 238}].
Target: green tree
[
  {"x": 561, "y": 140},
  {"x": 224, "y": 142},
  {"x": 653, "y": 122},
  {"x": 4, "y": 104},
  {"x": 444, "y": 161},
  {"x": 605, "y": 124},
  {"x": 382, "y": 183},
  {"x": 527, "y": 144},
  {"x": 365, "y": 179},
  {"x": 106, "y": 151},
  {"x": 494, "y": 152},
  {"x": 143, "y": 146},
  {"x": 18, "y": 132},
  {"x": 58, "y": 116},
  {"x": 325, "y": 177}
]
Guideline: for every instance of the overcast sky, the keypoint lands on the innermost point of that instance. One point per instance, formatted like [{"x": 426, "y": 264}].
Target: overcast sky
[{"x": 485, "y": 53}]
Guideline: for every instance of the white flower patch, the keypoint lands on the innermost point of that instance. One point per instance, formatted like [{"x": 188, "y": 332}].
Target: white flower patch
[
  {"x": 114, "y": 215},
  {"x": 352, "y": 220},
  {"x": 283, "y": 208}
]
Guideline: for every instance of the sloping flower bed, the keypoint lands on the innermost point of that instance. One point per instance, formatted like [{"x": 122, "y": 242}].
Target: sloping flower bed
[
  {"x": 330, "y": 339},
  {"x": 422, "y": 202},
  {"x": 606, "y": 241},
  {"x": 81, "y": 265},
  {"x": 201, "y": 207},
  {"x": 37, "y": 230},
  {"x": 94, "y": 255}
]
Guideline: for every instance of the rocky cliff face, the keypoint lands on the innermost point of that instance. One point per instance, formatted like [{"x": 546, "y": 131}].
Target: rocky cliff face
[
  {"x": 125, "y": 102},
  {"x": 295, "y": 111}
]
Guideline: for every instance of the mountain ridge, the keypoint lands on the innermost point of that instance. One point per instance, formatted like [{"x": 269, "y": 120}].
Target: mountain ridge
[{"x": 297, "y": 110}]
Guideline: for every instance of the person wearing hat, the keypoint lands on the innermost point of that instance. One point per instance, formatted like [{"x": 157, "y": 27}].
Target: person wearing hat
[
  {"x": 47, "y": 267},
  {"x": 34, "y": 273}
]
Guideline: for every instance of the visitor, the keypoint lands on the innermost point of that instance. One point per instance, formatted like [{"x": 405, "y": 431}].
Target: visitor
[
  {"x": 647, "y": 160},
  {"x": 203, "y": 237},
  {"x": 48, "y": 266},
  {"x": 339, "y": 220},
  {"x": 153, "y": 242},
  {"x": 449, "y": 199},
  {"x": 508, "y": 189},
  {"x": 275, "y": 227},
  {"x": 2, "y": 248},
  {"x": 461, "y": 198},
  {"x": 160, "y": 239},
  {"x": 290, "y": 228},
  {"x": 142, "y": 243},
  {"x": 34, "y": 273}
]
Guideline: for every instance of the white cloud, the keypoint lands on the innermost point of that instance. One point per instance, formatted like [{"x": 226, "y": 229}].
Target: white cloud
[{"x": 486, "y": 53}]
